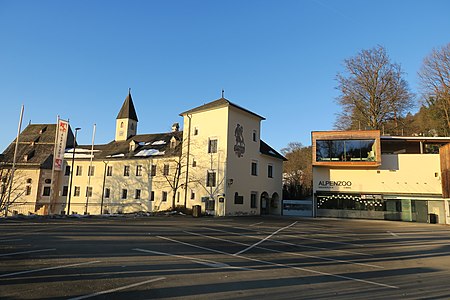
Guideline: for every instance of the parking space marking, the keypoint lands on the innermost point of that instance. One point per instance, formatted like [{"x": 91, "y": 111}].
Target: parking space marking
[
  {"x": 10, "y": 240},
  {"x": 289, "y": 253},
  {"x": 118, "y": 289},
  {"x": 284, "y": 265},
  {"x": 300, "y": 237},
  {"x": 291, "y": 244},
  {"x": 26, "y": 252},
  {"x": 209, "y": 263},
  {"x": 264, "y": 239},
  {"x": 48, "y": 268},
  {"x": 255, "y": 224}
]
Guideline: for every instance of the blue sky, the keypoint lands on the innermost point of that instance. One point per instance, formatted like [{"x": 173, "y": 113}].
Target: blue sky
[{"x": 77, "y": 59}]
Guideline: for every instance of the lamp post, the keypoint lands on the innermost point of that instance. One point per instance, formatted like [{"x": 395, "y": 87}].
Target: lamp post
[
  {"x": 103, "y": 187},
  {"x": 71, "y": 170}
]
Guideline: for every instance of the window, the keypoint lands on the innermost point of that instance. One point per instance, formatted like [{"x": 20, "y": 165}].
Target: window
[
  {"x": 137, "y": 194},
  {"x": 195, "y": 131},
  {"x": 27, "y": 190},
  {"x": 166, "y": 170},
  {"x": 79, "y": 171},
  {"x": 48, "y": 181},
  {"x": 211, "y": 178},
  {"x": 253, "y": 197},
  {"x": 164, "y": 196},
  {"x": 89, "y": 191},
  {"x": 76, "y": 192},
  {"x": 124, "y": 193},
  {"x": 153, "y": 171},
  {"x": 152, "y": 196},
  {"x": 28, "y": 180},
  {"x": 65, "y": 190},
  {"x": 67, "y": 171},
  {"x": 194, "y": 163},
  {"x": 212, "y": 146},
  {"x": 254, "y": 168},
  {"x": 109, "y": 171},
  {"x": 46, "y": 191},
  {"x": 192, "y": 195},
  {"x": 254, "y": 135},
  {"x": 107, "y": 192},
  {"x": 270, "y": 171},
  {"x": 138, "y": 170},
  {"x": 238, "y": 199},
  {"x": 91, "y": 170},
  {"x": 345, "y": 150},
  {"x": 126, "y": 171}
]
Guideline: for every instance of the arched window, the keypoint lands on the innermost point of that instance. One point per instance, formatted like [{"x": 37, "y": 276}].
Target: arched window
[{"x": 121, "y": 124}]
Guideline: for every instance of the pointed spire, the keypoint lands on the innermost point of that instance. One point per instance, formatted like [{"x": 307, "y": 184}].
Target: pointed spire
[{"x": 127, "y": 111}]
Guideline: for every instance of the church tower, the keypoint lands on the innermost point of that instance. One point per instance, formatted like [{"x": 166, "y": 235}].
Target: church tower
[{"x": 126, "y": 121}]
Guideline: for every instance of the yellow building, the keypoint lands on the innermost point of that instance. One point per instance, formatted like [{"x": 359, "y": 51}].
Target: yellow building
[
  {"x": 218, "y": 162},
  {"x": 362, "y": 174},
  {"x": 33, "y": 184}
]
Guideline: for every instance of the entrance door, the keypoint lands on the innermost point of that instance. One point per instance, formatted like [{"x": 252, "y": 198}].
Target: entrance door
[{"x": 265, "y": 203}]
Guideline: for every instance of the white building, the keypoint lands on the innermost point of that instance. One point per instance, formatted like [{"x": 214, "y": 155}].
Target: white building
[{"x": 217, "y": 162}]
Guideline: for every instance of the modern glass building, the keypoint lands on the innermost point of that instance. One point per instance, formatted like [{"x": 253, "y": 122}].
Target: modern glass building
[{"x": 362, "y": 174}]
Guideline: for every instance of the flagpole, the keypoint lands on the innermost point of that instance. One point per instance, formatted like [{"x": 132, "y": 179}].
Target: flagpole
[
  {"x": 53, "y": 165},
  {"x": 14, "y": 160},
  {"x": 89, "y": 171}
]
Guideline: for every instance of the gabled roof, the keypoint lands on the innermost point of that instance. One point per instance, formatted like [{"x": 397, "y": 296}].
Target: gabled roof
[
  {"x": 222, "y": 102},
  {"x": 267, "y": 150},
  {"x": 36, "y": 146},
  {"x": 127, "y": 111}
]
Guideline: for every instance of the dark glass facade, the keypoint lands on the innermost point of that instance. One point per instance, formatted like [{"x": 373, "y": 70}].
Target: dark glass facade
[{"x": 345, "y": 150}]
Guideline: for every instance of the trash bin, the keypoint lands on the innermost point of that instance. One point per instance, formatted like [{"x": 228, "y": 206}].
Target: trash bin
[
  {"x": 433, "y": 218},
  {"x": 196, "y": 211}
]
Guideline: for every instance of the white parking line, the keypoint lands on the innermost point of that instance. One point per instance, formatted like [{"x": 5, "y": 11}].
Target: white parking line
[
  {"x": 285, "y": 265},
  {"x": 26, "y": 252},
  {"x": 10, "y": 240},
  {"x": 255, "y": 224},
  {"x": 289, "y": 253},
  {"x": 291, "y": 244},
  {"x": 49, "y": 268},
  {"x": 264, "y": 239},
  {"x": 209, "y": 263},
  {"x": 118, "y": 289}
]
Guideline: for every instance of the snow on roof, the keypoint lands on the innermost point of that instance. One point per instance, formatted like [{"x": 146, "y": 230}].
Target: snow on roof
[
  {"x": 116, "y": 155},
  {"x": 161, "y": 142},
  {"x": 149, "y": 152}
]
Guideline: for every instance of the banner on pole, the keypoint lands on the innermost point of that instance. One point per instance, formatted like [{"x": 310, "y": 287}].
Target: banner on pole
[{"x": 63, "y": 129}]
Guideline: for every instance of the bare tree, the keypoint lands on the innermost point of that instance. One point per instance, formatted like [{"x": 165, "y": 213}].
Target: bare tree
[
  {"x": 372, "y": 91},
  {"x": 10, "y": 196},
  {"x": 297, "y": 171},
  {"x": 435, "y": 82}
]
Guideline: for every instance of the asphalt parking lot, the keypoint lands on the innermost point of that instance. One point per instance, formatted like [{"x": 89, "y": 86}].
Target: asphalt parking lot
[{"x": 181, "y": 257}]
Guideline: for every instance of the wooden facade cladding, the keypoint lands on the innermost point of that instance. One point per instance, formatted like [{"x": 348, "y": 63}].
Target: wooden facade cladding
[
  {"x": 444, "y": 153},
  {"x": 347, "y": 135}
]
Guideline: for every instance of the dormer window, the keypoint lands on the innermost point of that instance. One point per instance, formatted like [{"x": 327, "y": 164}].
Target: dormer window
[
  {"x": 132, "y": 146},
  {"x": 173, "y": 142}
]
